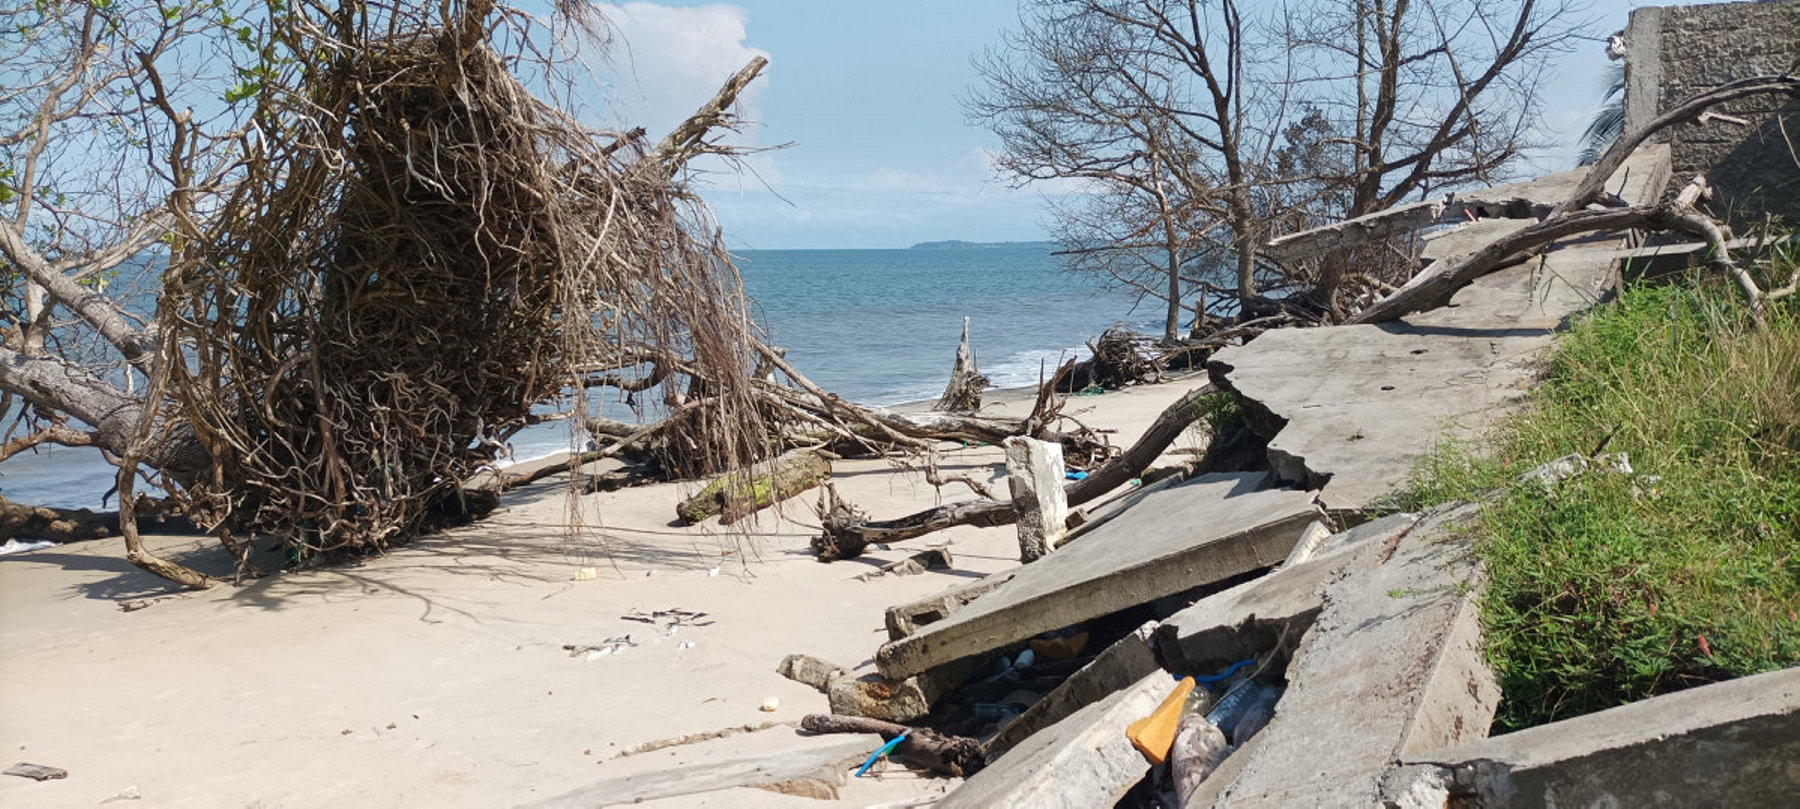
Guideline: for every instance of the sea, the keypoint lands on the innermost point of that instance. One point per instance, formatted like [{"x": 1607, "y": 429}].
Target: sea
[{"x": 878, "y": 327}]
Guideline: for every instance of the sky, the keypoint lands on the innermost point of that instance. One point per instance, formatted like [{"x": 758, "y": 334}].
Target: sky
[{"x": 869, "y": 93}]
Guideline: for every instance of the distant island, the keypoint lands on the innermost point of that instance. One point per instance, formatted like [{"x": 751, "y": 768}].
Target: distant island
[{"x": 958, "y": 244}]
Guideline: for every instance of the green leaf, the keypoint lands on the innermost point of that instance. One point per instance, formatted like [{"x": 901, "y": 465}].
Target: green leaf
[{"x": 242, "y": 91}]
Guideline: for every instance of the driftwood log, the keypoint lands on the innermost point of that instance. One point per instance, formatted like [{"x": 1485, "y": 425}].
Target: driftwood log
[
  {"x": 935, "y": 752},
  {"x": 738, "y": 493},
  {"x": 847, "y": 531}
]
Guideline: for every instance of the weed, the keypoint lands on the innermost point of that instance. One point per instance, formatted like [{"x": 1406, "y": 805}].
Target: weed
[{"x": 1608, "y": 589}]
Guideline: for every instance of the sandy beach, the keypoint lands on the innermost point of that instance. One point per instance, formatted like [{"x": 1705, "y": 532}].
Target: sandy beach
[{"x": 438, "y": 674}]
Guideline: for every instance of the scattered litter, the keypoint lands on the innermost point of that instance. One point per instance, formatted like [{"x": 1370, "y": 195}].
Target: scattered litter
[
  {"x": 882, "y": 751},
  {"x": 1245, "y": 709},
  {"x": 595, "y": 651},
  {"x": 1226, "y": 674},
  {"x": 686, "y": 644},
  {"x": 587, "y": 573},
  {"x": 670, "y": 620},
  {"x": 769, "y": 705},
  {"x": 130, "y": 793},
  {"x": 1025, "y": 659},
  {"x": 1059, "y": 645},
  {"x": 713, "y": 572},
  {"x": 16, "y": 546},
  {"x": 929, "y": 559},
  {"x": 1153, "y": 735},
  {"x": 36, "y": 772},
  {"x": 1075, "y": 474},
  {"x": 1551, "y": 473}
]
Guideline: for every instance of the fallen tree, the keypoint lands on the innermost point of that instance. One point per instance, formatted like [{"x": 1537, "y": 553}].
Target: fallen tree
[
  {"x": 372, "y": 306},
  {"x": 1434, "y": 285},
  {"x": 847, "y": 531}
]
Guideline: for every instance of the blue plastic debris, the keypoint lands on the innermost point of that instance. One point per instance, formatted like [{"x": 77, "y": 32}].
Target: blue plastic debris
[{"x": 882, "y": 751}]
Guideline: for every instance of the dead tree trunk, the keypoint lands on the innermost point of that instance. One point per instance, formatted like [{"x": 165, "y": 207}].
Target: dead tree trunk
[
  {"x": 847, "y": 531},
  {"x": 963, "y": 394},
  {"x": 1434, "y": 286},
  {"x": 1437, "y": 283}
]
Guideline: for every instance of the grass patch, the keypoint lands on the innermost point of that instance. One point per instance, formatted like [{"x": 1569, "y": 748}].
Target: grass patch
[{"x": 1608, "y": 587}]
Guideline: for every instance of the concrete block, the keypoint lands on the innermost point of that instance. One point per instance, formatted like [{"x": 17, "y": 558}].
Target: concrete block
[
  {"x": 1202, "y": 531},
  {"x": 905, "y": 619},
  {"x": 1391, "y": 666},
  {"x": 1081, "y": 762},
  {"x": 1034, "y": 474},
  {"x": 1735, "y": 743},
  {"x": 1251, "y": 618},
  {"x": 896, "y": 700}
]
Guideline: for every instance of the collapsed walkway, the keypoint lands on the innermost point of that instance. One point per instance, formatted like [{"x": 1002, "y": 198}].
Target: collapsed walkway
[{"x": 1366, "y": 639}]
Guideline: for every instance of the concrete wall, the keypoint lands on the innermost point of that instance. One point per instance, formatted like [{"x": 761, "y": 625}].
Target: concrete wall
[{"x": 1673, "y": 53}]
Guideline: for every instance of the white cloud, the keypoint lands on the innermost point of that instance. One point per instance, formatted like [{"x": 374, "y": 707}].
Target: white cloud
[{"x": 665, "y": 62}]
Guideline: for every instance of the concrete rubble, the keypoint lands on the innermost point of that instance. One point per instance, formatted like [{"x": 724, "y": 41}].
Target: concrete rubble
[
  {"x": 1735, "y": 743},
  {"x": 1348, "y": 409},
  {"x": 1203, "y": 531}
]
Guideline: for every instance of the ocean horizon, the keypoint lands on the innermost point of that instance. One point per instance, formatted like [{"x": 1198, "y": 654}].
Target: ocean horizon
[{"x": 877, "y": 326}]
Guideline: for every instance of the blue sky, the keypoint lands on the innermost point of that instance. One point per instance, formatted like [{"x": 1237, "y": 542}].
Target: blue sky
[{"x": 870, "y": 95}]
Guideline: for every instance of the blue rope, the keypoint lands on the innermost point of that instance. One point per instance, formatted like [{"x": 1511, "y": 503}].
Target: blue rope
[
  {"x": 884, "y": 750},
  {"x": 1221, "y": 676}
]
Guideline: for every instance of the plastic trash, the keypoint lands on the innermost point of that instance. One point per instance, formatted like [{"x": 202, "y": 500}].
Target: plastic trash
[
  {"x": 1226, "y": 674},
  {"x": 1199, "y": 748},
  {"x": 769, "y": 705},
  {"x": 1025, "y": 659},
  {"x": 1245, "y": 709},
  {"x": 882, "y": 751},
  {"x": 1075, "y": 474},
  {"x": 1256, "y": 715},
  {"x": 1153, "y": 734},
  {"x": 16, "y": 546}
]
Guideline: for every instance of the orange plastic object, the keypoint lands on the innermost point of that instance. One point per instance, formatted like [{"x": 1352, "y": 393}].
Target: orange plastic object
[{"x": 1154, "y": 734}]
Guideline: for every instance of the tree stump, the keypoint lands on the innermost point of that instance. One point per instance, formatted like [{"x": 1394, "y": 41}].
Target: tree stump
[{"x": 963, "y": 394}]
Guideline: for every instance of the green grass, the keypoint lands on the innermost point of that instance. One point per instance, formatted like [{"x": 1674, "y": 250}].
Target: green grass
[{"x": 1611, "y": 587}]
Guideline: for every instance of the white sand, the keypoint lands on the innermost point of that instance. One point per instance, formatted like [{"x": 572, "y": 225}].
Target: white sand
[{"x": 436, "y": 675}]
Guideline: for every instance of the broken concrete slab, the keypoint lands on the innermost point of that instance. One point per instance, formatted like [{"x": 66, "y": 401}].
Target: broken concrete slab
[
  {"x": 1082, "y": 761},
  {"x": 1735, "y": 743},
  {"x": 1252, "y": 618},
  {"x": 1349, "y": 409},
  {"x": 774, "y": 759},
  {"x": 1468, "y": 237},
  {"x": 1308, "y": 544},
  {"x": 1391, "y": 666},
  {"x": 905, "y": 619},
  {"x": 1396, "y": 221},
  {"x": 1197, "y": 533},
  {"x": 1127, "y": 661},
  {"x": 1639, "y": 182}
]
